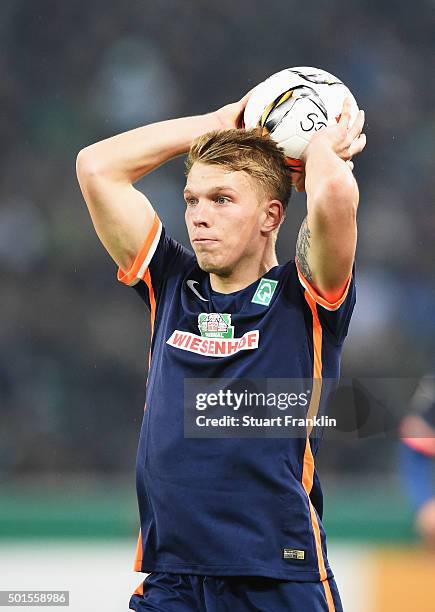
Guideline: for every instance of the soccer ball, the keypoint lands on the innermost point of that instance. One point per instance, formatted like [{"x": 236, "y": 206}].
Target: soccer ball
[{"x": 293, "y": 104}]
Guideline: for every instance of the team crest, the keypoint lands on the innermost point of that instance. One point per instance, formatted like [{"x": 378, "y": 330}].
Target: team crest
[{"x": 264, "y": 292}]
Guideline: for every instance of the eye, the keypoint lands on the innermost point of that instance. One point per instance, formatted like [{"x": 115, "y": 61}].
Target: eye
[
  {"x": 190, "y": 201},
  {"x": 221, "y": 200}
]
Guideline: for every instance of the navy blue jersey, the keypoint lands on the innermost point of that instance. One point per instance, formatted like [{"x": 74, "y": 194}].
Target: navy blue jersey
[{"x": 229, "y": 506}]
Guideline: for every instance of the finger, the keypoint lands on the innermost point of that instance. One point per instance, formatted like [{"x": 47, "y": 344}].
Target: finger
[
  {"x": 357, "y": 126},
  {"x": 345, "y": 113},
  {"x": 245, "y": 98},
  {"x": 357, "y": 145}
]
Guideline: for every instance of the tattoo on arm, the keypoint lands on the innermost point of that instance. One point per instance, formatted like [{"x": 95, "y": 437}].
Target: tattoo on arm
[{"x": 302, "y": 248}]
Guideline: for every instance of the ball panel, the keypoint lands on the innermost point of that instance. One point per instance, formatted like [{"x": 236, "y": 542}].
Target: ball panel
[
  {"x": 295, "y": 103},
  {"x": 294, "y": 146},
  {"x": 316, "y": 76},
  {"x": 266, "y": 92}
]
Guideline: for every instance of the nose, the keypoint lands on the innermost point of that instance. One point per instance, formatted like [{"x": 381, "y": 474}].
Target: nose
[{"x": 200, "y": 215}]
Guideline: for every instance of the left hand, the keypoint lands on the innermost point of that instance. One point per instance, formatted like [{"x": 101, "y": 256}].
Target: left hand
[
  {"x": 231, "y": 115},
  {"x": 344, "y": 139}
]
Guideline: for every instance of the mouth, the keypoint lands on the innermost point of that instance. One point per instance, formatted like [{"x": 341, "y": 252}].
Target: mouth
[{"x": 204, "y": 241}]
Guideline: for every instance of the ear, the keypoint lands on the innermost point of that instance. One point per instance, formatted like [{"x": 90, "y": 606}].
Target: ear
[{"x": 274, "y": 215}]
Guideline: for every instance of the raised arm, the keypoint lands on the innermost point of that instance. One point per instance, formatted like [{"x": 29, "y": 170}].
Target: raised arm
[
  {"x": 106, "y": 171},
  {"x": 326, "y": 244}
]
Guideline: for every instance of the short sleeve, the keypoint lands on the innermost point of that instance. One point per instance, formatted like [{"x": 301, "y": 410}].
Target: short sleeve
[
  {"x": 333, "y": 316},
  {"x": 161, "y": 257}
]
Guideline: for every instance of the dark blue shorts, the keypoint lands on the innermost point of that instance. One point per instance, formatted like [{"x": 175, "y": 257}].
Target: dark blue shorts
[{"x": 163, "y": 592}]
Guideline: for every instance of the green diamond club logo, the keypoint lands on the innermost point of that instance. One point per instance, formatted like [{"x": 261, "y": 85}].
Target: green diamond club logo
[{"x": 264, "y": 292}]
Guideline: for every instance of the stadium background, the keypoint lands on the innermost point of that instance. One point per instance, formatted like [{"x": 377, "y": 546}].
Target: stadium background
[{"x": 74, "y": 341}]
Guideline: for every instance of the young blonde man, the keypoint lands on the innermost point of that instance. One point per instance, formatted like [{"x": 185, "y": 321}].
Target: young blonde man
[{"x": 230, "y": 524}]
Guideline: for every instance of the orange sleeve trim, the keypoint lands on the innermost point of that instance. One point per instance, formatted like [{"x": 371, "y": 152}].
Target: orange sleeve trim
[
  {"x": 147, "y": 279},
  {"x": 143, "y": 258},
  {"x": 318, "y": 298}
]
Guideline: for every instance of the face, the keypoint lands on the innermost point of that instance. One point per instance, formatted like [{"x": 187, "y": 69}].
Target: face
[{"x": 225, "y": 217}]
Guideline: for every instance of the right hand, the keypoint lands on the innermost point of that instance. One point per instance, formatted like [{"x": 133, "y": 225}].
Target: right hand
[
  {"x": 231, "y": 115},
  {"x": 344, "y": 138}
]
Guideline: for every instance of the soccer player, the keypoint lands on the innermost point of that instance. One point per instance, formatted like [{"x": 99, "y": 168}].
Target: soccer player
[
  {"x": 417, "y": 455},
  {"x": 230, "y": 524}
]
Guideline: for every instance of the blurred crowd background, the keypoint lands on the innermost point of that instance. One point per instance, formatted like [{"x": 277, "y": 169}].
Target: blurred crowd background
[{"x": 75, "y": 341}]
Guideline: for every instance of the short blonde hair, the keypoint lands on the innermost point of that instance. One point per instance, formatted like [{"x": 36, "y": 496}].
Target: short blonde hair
[{"x": 247, "y": 150}]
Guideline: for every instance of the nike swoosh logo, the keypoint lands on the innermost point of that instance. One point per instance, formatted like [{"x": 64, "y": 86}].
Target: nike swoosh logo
[{"x": 191, "y": 284}]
